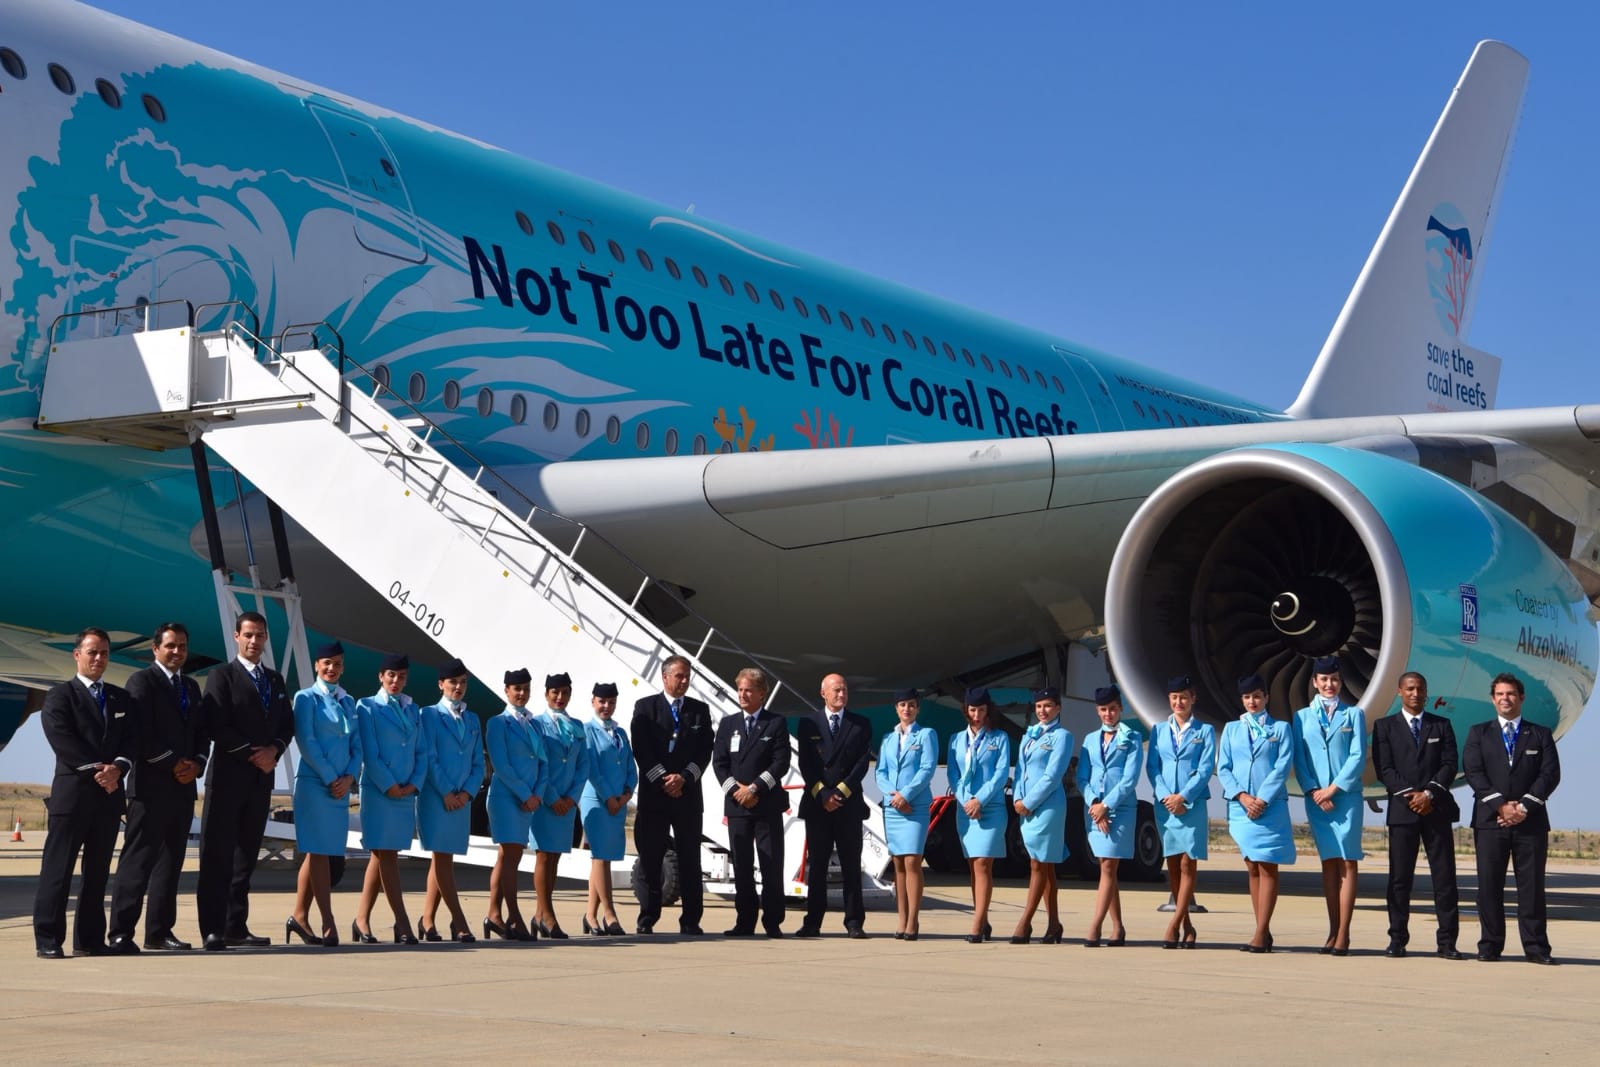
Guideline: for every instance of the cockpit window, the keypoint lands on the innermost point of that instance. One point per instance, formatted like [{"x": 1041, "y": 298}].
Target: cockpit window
[
  {"x": 62, "y": 78},
  {"x": 154, "y": 109},
  {"x": 13, "y": 64},
  {"x": 108, "y": 93}
]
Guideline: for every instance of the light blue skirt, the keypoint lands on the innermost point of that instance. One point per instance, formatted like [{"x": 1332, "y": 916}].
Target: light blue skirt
[
  {"x": 1269, "y": 839},
  {"x": 1118, "y": 844},
  {"x": 551, "y": 832},
  {"x": 387, "y": 823},
  {"x": 603, "y": 830},
  {"x": 508, "y": 823},
  {"x": 1337, "y": 832},
  {"x": 1183, "y": 835},
  {"x": 1044, "y": 832},
  {"x": 985, "y": 836},
  {"x": 907, "y": 834},
  {"x": 441, "y": 830},
  {"x": 321, "y": 823}
]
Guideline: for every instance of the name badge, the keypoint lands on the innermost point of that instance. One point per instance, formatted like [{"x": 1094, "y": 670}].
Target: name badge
[
  {"x": 1434, "y": 740},
  {"x": 735, "y": 741},
  {"x": 1526, "y": 751}
]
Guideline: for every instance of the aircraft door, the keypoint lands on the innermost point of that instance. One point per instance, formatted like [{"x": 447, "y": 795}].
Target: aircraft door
[
  {"x": 384, "y": 220},
  {"x": 1094, "y": 388},
  {"x": 107, "y": 275}
]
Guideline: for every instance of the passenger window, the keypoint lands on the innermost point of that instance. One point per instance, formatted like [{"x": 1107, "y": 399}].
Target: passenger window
[
  {"x": 555, "y": 233},
  {"x": 641, "y": 436},
  {"x": 672, "y": 268},
  {"x": 485, "y": 402},
  {"x": 822, "y": 313},
  {"x": 524, "y": 223},
  {"x": 699, "y": 444},
  {"x": 1138, "y": 409},
  {"x": 949, "y": 351},
  {"x": 452, "y": 395},
  {"x": 866, "y": 327},
  {"x": 966, "y": 354},
  {"x": 984, "y": 358},
  {"x": 613, "y": 429},
  {"x": 13, "y": 64},
  {"x": 519, "y": 409},
  {"x": 700, "y": 278},
  {"x": 1038, "y": 376},
  {"x": 670, "y": 442},
  {"x": 154, "y": 109},
  {"x": 616, "y": 252},
  {"x": 927, "y": 343},
  {"x": 752, "y": 292},
  {"x": 1057, "y": 383},
  {"x": 726, "y": 283},
  {"x": 62, "y": 78},
  {"x": 417, "y": 388},
  {"x": 1005, "y": 369},
  {"x": 108, "y": 93},
  {"x": 552, "y": 415},
  {"x": 586, "y": 241},
  {"x": 777, "y": 301},
  {"x": 380, "y": 374},
  {"x": 888, "y": 333},
  {"x": 580, "y": 423},
  {"x": 644, "y": 259},
  {"x": 800, "y": 306}
]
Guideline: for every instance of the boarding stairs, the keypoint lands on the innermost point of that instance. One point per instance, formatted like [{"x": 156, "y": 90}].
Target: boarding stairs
[{"x": 368, "y": 476}]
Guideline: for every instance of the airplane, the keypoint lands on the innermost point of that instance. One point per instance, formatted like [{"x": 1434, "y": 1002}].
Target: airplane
[{"x": 751, "y": 424}]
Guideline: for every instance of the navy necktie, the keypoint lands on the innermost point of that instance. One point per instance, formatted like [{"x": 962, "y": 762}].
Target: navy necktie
[
  {"x": 833, "y": 724},
  {"x": 183, "y": 696},
  {"x": 99, "y": 692},
  {"x": 1416, "y": 731},
  {"x": 263, "y": 687}
]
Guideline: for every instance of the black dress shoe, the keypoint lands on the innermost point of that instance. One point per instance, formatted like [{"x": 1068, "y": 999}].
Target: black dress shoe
[
  {"x": 51, "y": 953},
  {"x": 855, "y": 933},
  {"x": 1450, "y": 954},
  {"x": 1542, "y": 958},
  {"x": 92, "y": 950},
  {"x": 122, "y": 946},
  {"x": 807, "y": 930},
  {"x": 1395, "y": 951},
  {"x": 247, "y": 940},
  {"x": 685, "y": 929},
  {"x": 774, "y": 932},
  {"x": 215, "y": 943},
  {"x": 739, "y": 931},
  {"x": 1487, "y": 956},
  {"x": 643, "y": 927},
  {"x": 167, "y": 944}
]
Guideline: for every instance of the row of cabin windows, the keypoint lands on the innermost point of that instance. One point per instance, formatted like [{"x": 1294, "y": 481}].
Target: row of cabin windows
[
  {"x": 726, "y": 284},
  {"x": 549, "y": 417},
  {"x": 62, "y": 79}
]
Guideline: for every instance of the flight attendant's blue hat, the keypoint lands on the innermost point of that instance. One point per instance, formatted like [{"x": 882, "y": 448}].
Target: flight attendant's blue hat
[
  {"x": 1179, "y": 682},
  {"x": 520, "y": 676},
  {"x": 328, "y": 650},
  {"x": 452, "y": 668},
  {"x": 604, "y": 689},
  {"x": 558, "y": 681},
  {"x": 395, "y": 661},
  {"x": 1250, "y": 683},
  {"x": 976, "y": 697},
  {"x": 1107, "y": 694},
  {"x": 1325, "y": 665},
  {"x": 1049, "y": 692},
  {"x": 906, "y": 694}
]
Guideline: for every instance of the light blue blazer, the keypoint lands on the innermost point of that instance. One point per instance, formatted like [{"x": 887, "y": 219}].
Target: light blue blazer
[
  {"x": 517, "y": 755},
  {"x": 455, "y": 764},
  {"x": 1263, "y": 774},
  {"x": 326, "y": 731},
  {"x": 1113, "y": 777},
  {"x": 566, "y": 764},
  {"x": 392, "y": 748},
  {"x": 1042, "y": 770},
  {"x": 611, "y": 768},
  {"x": 1185, "y": 771},
  {"x": 909, "y": 770},
  {"x": 993, "y": 767},
  {"x": 1335, "y": 757}
]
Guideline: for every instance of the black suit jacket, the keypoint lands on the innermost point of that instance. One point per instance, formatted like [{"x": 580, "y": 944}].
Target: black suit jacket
[
  {"x": 761, "y": 760},
  {"x": 834, "y": 764},
  {"x": 1531, "y": 777},
  {"x": 166, "y": 734},
  {"x": 651, "y": 732},
  {"x": 81, "y": 739},
  {"x": 236, "y": 722},
  {"x": 1405, "y": 767}
]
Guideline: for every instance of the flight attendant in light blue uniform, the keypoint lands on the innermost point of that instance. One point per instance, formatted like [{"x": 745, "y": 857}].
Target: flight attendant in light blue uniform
[
  {"x": 1330, "y": 750},
  {"x": 566, "y": 770},
  {"x": 1253, "y": 761},
  {"x": 516, "y": 758},
  {"x": 394, "y": 766},
  {"x": 1108, "y": 773},
  {"x": 979, "y": 765},
  {"x": 907, "y": 758},
  {"x": 1180, "y": 762},
  {"x": 612, "y": 778},
  {"x": 454, "y": 742},
  {"x": 330, "y": 760},
  {"x": 1040, "y": 798}
]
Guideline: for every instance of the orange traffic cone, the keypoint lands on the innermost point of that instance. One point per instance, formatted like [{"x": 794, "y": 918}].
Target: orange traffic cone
[{"x": 16, "y": 834}]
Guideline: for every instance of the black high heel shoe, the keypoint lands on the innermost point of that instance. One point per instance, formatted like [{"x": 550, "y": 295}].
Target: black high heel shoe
[
  {"x": 461, "y": 934},
  {"x": 291, "y": 925},
  {"x": 614, "y": 929},
  {"x": 1052, "y": 934},
  {"x": 911, "y": 934},
  {"x": 553, "y": 932},
  {"x": 361, "y": 938},
  {"x": 1024, "y": 937},
  {"x": 429, "y": 933},
  {"x": 1118, "y": 941},
  {"x": 405, "y": 937},
  {"x": 595, "y": 929},
  {"x": 519, "y": 931},
  {"x": 330, "y": 937},
  {"x": 494, "y": 926},
  {"x": 1189, "y": 939}
]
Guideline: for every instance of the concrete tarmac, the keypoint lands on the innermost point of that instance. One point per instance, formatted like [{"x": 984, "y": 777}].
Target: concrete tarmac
[{"x": 939, "y": 1000}]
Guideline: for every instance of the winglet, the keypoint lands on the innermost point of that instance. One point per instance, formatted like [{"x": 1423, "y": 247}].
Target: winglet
[{"x": 1399, "y": 345}]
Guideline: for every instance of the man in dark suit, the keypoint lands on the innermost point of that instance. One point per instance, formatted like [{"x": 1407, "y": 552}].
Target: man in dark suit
[
  {"x": 91, "y": 728},
  {"x": 250, "y": 722},
  {"x": 672, "y": 743},
  {"x": 835, "y": 746},
  {"x": 1512, "y": 766},
  {"x": 1414, "y": 755},
  {"x": 161, "y": 792},
  {"x": 751, "y": 758}
]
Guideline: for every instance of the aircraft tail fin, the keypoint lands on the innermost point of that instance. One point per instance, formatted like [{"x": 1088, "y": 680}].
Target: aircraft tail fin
[{"x": 1399, "y": 344}]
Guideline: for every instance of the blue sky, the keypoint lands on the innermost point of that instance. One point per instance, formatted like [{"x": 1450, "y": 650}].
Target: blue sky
[{"x": 1192, "y": 186}]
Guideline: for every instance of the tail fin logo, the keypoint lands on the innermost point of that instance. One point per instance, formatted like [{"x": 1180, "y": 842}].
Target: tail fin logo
[{"x": 1449, "y": 254}]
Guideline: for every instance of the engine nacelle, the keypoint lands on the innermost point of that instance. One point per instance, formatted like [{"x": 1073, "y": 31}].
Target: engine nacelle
[{"x": 1259, "y": 559}]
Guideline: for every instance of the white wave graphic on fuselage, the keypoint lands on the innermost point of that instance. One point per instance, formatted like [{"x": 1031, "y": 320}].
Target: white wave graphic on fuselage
[{"x": 668, "y": 220}]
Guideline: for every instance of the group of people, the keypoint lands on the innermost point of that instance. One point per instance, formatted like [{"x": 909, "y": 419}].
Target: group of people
[{"x": 142, "y": 749}]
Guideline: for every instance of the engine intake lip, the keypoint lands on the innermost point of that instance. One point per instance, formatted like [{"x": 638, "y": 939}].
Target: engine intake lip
[{"x": 1139, "y": 663}]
